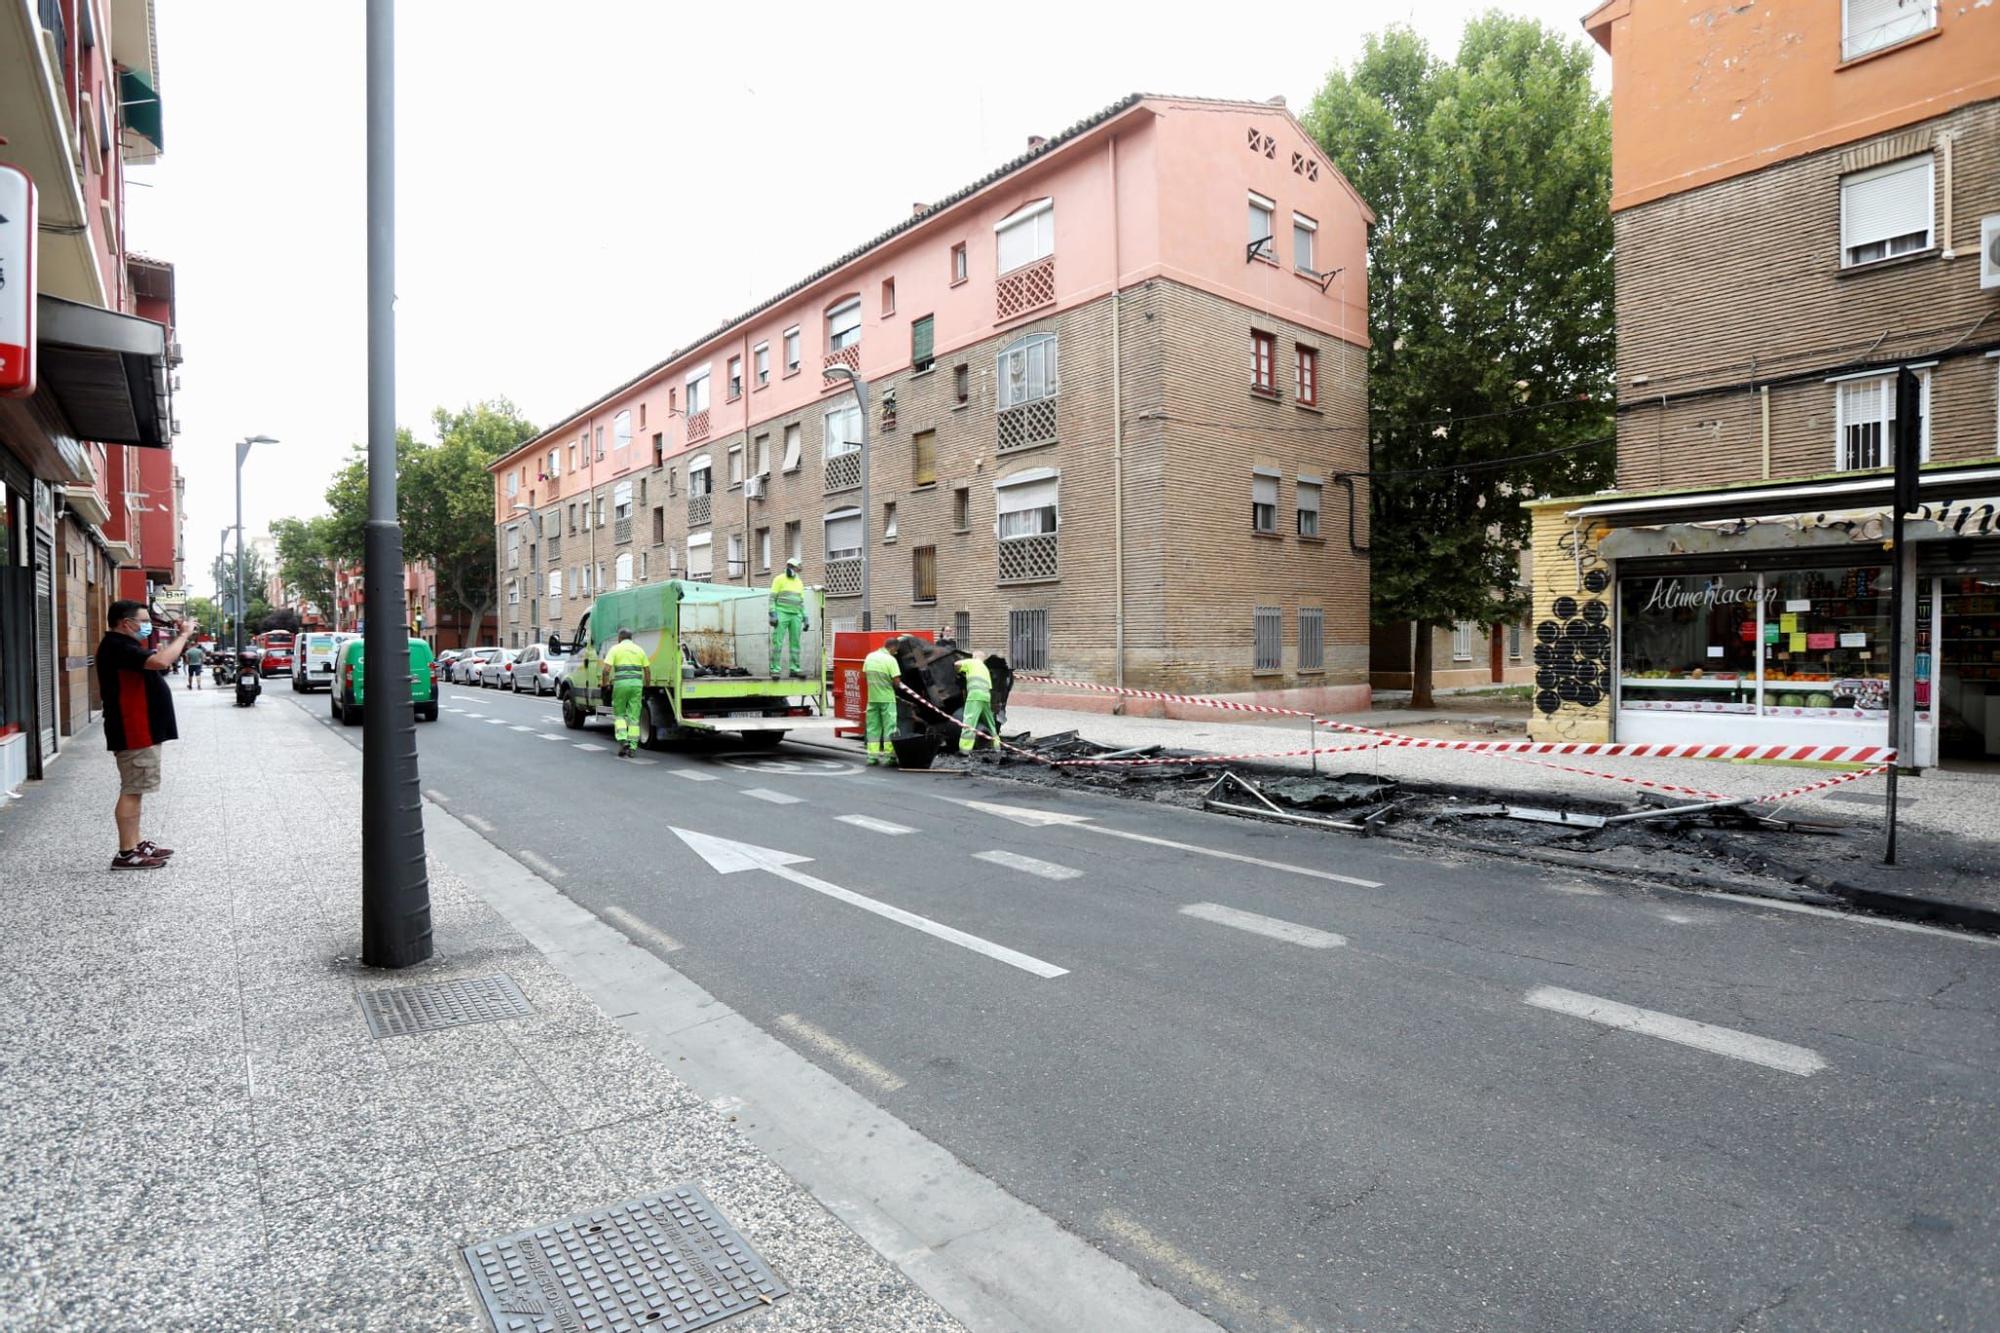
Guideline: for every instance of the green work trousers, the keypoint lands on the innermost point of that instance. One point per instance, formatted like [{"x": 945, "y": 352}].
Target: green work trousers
[
  {"x": 785, "y": 634},
  {"x": 881, "y": 725},
  {"x": 978, "y": 712},
  {"x": 627, "y": 698}
]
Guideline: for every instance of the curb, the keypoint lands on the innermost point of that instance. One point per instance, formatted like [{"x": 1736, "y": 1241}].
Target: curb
[{"x": 1913, "y": 907}]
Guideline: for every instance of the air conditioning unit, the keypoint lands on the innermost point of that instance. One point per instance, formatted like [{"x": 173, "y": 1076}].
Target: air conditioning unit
[
  {"x": 753, "y": 487},
  {"x": 1989, "y": 251}
]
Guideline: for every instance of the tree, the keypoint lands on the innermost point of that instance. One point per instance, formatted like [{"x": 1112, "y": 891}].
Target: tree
[
  {"x": 282, "y": 617},
  {"x": 254, "y": 578},
  {"x": 1489, "y": 305},
  {"x": 305, "y": 560},
  {"x": 203, "y": 612}
]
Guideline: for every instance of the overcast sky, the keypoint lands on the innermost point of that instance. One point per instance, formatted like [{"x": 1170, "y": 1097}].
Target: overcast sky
[{"x": 584, "y": 187}]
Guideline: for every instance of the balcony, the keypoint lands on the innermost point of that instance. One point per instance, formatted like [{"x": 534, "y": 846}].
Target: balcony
[
  {"x": 36, "y": 44},
  {"x": 843, "y": 577},
  {"x": 1025, "y": 289},
  {"x": 849, "y": 356},
  {"x": 698, "y": 510},
  {"x": 1029, "y": 559},
  {"x": 621, "y": 531},
  {"x": 551, "y": 487},
  {"x": 697, "y": 426},
  {"x": 843, "y": 471},
  {"x": 555, "y": 547},
  {"x": 1028, "y": 425}
]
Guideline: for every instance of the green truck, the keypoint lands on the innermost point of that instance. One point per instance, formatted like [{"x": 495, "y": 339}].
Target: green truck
[{"x": 710, "y": 669}]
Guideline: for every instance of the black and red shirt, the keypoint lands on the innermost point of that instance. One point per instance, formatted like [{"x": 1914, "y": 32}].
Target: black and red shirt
[{"x": 138, "y": 702}]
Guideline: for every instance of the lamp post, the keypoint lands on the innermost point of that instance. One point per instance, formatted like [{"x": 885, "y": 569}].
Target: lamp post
[
  {"x": 395, "y": 886},
  {"x": 860, "y": 387},
  {"x": 222, "y": 554},
  {"x": 242, "y": 452}
]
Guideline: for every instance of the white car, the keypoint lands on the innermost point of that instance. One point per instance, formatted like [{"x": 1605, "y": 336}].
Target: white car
[
  {"x": 465, "y": 671},
  {"x": 497, "y": 671},
  {"x": 538, "y": 670}
]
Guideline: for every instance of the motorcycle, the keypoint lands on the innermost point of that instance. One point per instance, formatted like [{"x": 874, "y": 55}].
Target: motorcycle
[{"x": 249, "y": 680}]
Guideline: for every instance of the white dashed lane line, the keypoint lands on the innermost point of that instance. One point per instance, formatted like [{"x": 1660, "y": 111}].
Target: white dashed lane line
[
  {"x": 874, "y": 825},
  {"x": 774, "y": 797},
  {"x": 1684, "y": 1031},
  {"x": 1028, "y": 865},
  {"x": 496, "y": 721},
  {"x": 692, "y": 776},
  {"x": 1289, "y": 931},
  {"x": 586, "y": 745},
  {"x": 869, "y": 1071},
  {"x": 550, "y": 736},
  {"x": 518, "y": 727},
  {"x": 636, "y": 930}
]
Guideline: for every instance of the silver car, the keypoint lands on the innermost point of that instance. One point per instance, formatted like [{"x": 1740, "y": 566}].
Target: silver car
[
  {"x": 497, "y": 671},
  {"x": 539, "y": 671},
  {"x": 465, "y": 671}
]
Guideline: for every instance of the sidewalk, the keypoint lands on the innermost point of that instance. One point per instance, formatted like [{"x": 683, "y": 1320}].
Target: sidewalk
[{"x": 197, "y": 1129}]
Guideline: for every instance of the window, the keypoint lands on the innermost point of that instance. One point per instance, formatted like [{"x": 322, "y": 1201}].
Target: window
[
  {"x": 513, "y": 592},
  {"x": 1262, "y": 211},
  {"x": 697, "y": 387},
  {"x": 621, "y": 501},
  {"x": 1308, "y": 376},
  {"x": 621, "y": 430},
  {"x": 586, "y": 516},
  {"x": 843, "y": 535},
  {"x": 1267, "y": 632},
  {"x": 791, "y": 351},
  {"x": 764, "y": 548},
  {"x": 1513, "y": 643},
  {"x": 1308, "y": 504},
  {"x": 1026, "y": 505},
  {"x": 642, "y": 566},
  {"x": 1264, "y": 502},
  {"x": 1263, "y": 351},
  {"x": 1866, "y": 411},
  {"x": 763, "y": 462},
  {"x": 923, "y": 574},
  {"x": 889, "y": 521},
  {"x": 572, "y": 458},
  {"x": 923, "y": 458},
  {"x": 1870, "y": 25},
  {"x": 600, "y": 510},
  {"x": 555, "y": 464},
  {"x": 961, "y": 268},
  {"x": 1025, "y": 236},
  {"x": 961, "y": 385},
  {"x": 735, "y": 465},
  {"x": 794, "y": 541},
  {"x": 600, "y": 444},
  {"x": 513, "y": 484},
  {"x": 659, "y": 448},
  {"x": 921, "y": 345},
  {"x": 843, "y": 430},
  {"x": 660, "y": 526},
  {"x": 1885, "y": 212},
  {"x": 736, "y": 566},
  {"x": 1027, "y": 371},
  {"x": 572, "y": 520},
  {"x": 701, "y": 477},
  {"x": 1461, "y": 641},
  {"x": 961, "y": 628},
  {"x": 1304, "y": 232},
  {"x": 513, "y": 548},
  {"x": 735, "y": 378},
  {"x": 622, "y": 571},
  {"x": 961, "y": 509},
  {"x": 1312, "y": 639},
  {"x": 760, "y": 363},
  {"x": 1027, "y": 640},
  {"x": 843, "y": 326},
  {"x": 888, "y": 296},
  {"x": 642, "y": 416},
  {"x": 555, "y": 585},
  {"x": 794, "y": 438},
  {"x": 701, "y": 555}
]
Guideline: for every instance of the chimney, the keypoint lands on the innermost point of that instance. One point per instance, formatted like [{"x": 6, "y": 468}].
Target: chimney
[
  {"x": 917, "y": 209},
  {"x": 1279, "y": 100},
  {"x": 1035, "y": 141}
]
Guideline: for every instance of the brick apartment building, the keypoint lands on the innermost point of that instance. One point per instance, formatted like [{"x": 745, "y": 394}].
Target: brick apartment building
[
  {"x": 1112, "y": 390},
  {"x": 89, "y": 494},
  {"x": 1806, "y": 199}
]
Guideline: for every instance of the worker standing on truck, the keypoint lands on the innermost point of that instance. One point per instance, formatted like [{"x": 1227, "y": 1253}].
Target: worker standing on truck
[
  {"x": 881, "y": 669},
  {"x": 978, "y": 703},
  {"x": 788, "y": 616},
  {"x": 624, "y": 678}
]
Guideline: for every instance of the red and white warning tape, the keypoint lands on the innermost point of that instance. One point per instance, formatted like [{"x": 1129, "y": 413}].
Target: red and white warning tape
[
  {"x": 1830, "y": 754},
  {"x": 1839, "y": 779},
  {"x": 1197, "y": 700}
]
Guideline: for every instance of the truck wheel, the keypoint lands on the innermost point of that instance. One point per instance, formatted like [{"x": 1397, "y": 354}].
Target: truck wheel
[
  {"x": 428, "y": 712},
  {"x": 572, "y": 715}
]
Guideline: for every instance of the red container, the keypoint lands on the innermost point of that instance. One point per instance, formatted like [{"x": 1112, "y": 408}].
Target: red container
[{"x": 850, "y": 691}]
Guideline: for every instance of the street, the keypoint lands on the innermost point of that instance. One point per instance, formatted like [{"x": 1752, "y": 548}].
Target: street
[{"x": 1301, "y": 1080}]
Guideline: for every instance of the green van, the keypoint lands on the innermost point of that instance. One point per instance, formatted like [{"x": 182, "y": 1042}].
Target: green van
[{"x": 349, "y": 681}]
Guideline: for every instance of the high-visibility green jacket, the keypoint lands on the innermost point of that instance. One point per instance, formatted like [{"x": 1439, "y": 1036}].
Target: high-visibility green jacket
[
  {"x": 881, "y": 668},
  {"x": 627, "y": 661},
  {"x": 788, "y": 594},
  {"x": 978, "y": 680}
]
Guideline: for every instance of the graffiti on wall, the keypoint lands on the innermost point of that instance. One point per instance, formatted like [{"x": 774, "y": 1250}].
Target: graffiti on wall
[{"x": 1573, "y": 635}]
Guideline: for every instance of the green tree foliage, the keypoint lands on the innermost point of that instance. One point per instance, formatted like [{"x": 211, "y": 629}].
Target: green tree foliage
[
  {"x": 204, "y": 612},
  {"x": 305, "y": 560},
  {"x": 254, "y": 577},
  {"x": 1490, "y": 303}
]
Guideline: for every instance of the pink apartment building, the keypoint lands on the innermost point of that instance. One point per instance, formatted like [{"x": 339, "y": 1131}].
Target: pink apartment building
[{"x": 1117, "y": 396}]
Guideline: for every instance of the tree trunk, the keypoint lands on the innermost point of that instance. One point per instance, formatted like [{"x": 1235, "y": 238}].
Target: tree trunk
[{"x": 1420, "y": 668}]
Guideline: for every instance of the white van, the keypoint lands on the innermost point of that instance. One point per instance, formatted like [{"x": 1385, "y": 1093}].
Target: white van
[{"x": 313, "y": 659}]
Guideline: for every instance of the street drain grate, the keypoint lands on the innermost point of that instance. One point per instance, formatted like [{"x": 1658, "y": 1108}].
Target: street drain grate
[
  {"x": 663, "y": 1261},
  {"x": 437, "y": 1005}
]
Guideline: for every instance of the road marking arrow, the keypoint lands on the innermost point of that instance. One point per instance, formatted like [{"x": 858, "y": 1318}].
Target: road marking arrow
[{"x": 726, "y": 856}]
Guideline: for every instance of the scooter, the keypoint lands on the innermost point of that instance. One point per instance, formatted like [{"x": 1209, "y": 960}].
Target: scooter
[{"x": 249, "y": 682}]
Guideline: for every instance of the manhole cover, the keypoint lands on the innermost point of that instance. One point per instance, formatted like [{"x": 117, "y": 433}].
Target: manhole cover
[
  {"x": 664, "y": 1261},
  {"x": 443, "y": 1004}
]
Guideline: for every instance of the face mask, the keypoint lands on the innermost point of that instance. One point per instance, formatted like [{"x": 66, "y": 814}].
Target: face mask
[{"x": 145, "y": 629}]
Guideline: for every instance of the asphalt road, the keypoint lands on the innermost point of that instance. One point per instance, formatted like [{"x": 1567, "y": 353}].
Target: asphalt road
[{"x": 1302, "y": 1080}]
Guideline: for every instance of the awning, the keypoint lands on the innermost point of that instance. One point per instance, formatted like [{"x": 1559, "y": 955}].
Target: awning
[
  {"x": 1935, "y": 485},
  {"x": 1933, "y": 521},
  {"x": 142, "y": 107},
  {"x": 107, "y": 373}
]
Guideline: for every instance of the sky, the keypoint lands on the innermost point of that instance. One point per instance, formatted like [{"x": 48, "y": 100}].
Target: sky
[{"x": 582, "y": 188}]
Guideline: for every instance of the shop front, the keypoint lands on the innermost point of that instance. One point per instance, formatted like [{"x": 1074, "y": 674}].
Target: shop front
[{"x": 1706, "y": 618}]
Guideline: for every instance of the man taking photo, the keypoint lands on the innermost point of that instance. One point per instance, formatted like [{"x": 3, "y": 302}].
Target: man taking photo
[{"x": 138, "y": 718}]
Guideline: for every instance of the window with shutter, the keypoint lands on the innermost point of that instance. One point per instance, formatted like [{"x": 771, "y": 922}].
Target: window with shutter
[
  {"x": 1886, "y": 211},
  {"x": 701, "y": 556},
  {"x": 1866, "y": 421},
  {"x": 1025, "y": 236},
  {"x": 923, "y": 458},
  {"x": 843, "y": 535},
  {"x": 1264, "y": 502},
  {"x": 1870, "y": 25},
  {"x": 794, "y": 444},
  {"x": 1308, "y": 506},
  {"x": 921, "y": 358}
]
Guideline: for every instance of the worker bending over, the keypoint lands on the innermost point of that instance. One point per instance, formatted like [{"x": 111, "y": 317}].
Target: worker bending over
[
  {"x": 788, "y": 616},
  {"x": 624, "y": 677},
  {"x": 881, "y": 670},
  {"x": 978, "y": 703}
]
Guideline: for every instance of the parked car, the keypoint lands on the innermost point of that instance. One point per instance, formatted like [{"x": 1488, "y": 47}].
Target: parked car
[
  {"x": 465, "y": 670},
  {"x": 538, "y": 670},
  {"x": 350, "y": 686},
  {"x": 446, "y": 658},
  {"x": 274, "y": 648},
  {"x": 498, "y": 670},
  {"x": 313, "y": 659}
]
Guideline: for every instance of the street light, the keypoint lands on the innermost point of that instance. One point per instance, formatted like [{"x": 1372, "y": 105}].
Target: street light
[
  {"x": 242, "y": 452},
  {"x": 222, "y": 554},
  {"x": 860, "y": 387}
]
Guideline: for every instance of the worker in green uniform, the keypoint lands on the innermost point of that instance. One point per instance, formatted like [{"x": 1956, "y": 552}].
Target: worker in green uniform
[
  {"x": 978, "y": 708},
  {"x": 624, "y": 677},
  {"x": 881, "y": 670},
  {"x": 788, "y": 617}
]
